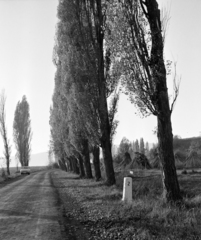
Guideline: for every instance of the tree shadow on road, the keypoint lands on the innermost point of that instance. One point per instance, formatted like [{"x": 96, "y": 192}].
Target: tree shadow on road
[
  {"x": 8, "y": 214},
  {"x": 71, "y": 178}
]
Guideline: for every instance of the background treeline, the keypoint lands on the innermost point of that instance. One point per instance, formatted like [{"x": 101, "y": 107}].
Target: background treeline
[{"x": 187, "y": 153}]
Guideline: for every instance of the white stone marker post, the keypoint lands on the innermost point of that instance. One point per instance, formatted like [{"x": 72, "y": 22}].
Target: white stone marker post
[{"x": 127, "y": 190}]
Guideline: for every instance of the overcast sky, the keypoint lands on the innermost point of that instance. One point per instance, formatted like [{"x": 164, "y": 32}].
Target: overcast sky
[{"x": 27, "y": 30}]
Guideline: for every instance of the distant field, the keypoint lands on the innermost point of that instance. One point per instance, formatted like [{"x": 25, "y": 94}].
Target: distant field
[
  {"x": 151, "y": 172},
  {"x": 33, "y": 169},
  {"x": 148, "y": 182},
  {"x": 14, "y": 172}
]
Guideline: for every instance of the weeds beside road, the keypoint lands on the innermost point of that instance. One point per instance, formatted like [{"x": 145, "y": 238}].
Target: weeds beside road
[{"x": 98, "y": 212}]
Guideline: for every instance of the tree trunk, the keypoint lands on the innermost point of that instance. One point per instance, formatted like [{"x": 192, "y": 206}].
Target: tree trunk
[
  {"x": 8, "y": 170},
  {"x": 107, "y": 157},
  {"x": 105, "y": 139},
  {"x": 96, "y": 162},
  {"x": 8, "y": 166},
  {"x": 171, "y": 190},
  {"x": 95, "y": 34},
  {"x": 7, "y": 153},
  {"x": 75, "y": 166},
  {"x": 70, "y": 165},
  {"x": 64, "y": 164},
  {"x": 81, "y": 166},
  {"x": 67, "y": 165},
  {"x": 161, "y": 102},
  {"x": 77, "y": 170},
  {"x": 86, "y": 157},
  {"x": 65, "y": 160}
]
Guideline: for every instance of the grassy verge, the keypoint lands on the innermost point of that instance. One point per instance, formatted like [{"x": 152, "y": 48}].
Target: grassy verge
[{"x": 101, "y": 212}]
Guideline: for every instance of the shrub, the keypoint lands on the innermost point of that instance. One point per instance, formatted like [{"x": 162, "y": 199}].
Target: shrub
[
  {"x": 117, "y": 159},
  {"x": 3, "y": 173},
  {"x": 180, "y": 155},
  {"x": 53, "y": 165},
  {"x": 184, "y": 172}
]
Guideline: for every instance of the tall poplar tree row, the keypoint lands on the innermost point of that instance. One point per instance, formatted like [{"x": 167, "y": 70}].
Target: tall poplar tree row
[
  {"x": 58, "y": 127},
  {"x": 87, "y": 79},
  {"x": 69, "y": 126}
]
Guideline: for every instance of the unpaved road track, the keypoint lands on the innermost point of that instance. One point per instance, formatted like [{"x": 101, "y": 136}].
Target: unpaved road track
[{"x": 30, "y": 209}]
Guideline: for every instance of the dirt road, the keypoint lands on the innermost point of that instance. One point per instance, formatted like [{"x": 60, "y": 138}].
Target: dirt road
[{"x": 30, "y": 209}]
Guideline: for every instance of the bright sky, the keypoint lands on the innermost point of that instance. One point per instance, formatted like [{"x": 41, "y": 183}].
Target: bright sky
[{"x": 27, "y": 29}]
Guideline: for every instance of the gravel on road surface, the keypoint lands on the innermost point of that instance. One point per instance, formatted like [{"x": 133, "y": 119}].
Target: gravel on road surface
[{"x": 31, "y": 209}]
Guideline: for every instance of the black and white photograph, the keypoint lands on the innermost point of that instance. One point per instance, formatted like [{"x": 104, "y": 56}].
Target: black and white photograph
[{"x": 100, "y": 121}]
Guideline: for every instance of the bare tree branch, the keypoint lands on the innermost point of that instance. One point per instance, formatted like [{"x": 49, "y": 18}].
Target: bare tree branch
[
  {"x": 165, "y": 18},
  {"x": 176, "y": 86}
]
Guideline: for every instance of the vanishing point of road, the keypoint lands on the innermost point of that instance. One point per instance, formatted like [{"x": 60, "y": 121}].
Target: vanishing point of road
[{"x": 30, "y": 209}]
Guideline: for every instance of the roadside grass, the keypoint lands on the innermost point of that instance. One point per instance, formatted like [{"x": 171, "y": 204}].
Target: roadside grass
[{"x": 148, "y": 217}]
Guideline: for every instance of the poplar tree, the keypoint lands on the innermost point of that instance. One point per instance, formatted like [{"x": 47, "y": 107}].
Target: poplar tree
[
  {"x": 147, "y": 148},
  {"x": 137, "y": 41},
  {"x": 4, "y": 132},
  {"x": 142, "y": 149},
  {"x": 22, "y": 131},
  {"x": 124, "y": 146},
  {"x": 137, "y": 148}
]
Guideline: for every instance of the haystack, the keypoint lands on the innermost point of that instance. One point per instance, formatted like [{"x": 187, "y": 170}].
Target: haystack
[
  {"x": 156, "y": 163},
  {"x": 126, "y": 160},
  {"x": 193, "y": 160},
  {"x": 178, "y": 163},
  {"x": 133, "y": 165},
  {"x": 141, "y": 161},
  {"x": 180, "y": 155}
]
